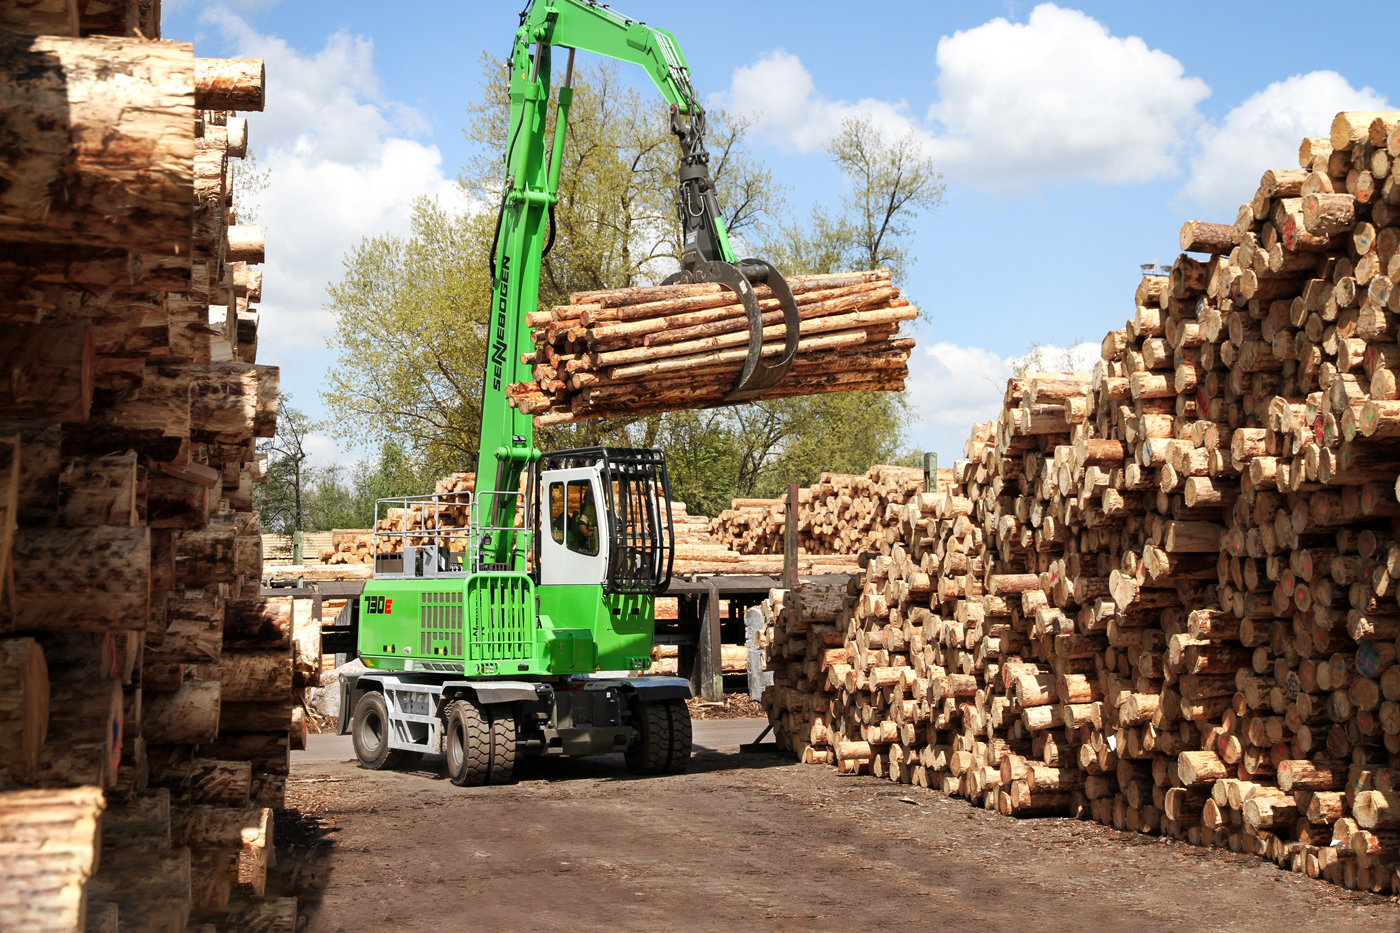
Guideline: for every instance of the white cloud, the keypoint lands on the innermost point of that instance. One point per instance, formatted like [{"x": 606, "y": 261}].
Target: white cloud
[
  {"x": 1054, "y": 98},
  {"x": 343, "y": 167},
  {"x": 794, "y": 114},
  {"x": 323, "y": 451},
  {"x": 953, "y": 387},
  {"x": 1060, "y": 97},
  {"x": 1264, "y": 132}
]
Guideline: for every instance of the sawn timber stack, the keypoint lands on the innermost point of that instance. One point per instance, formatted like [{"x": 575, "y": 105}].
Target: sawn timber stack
[{"x": 634, "y": 351}]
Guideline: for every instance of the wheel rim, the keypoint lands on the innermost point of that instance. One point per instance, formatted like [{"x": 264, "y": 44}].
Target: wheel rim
[
  {"x": 372, "y": 732},
  {"x": 455, "y": 753}
]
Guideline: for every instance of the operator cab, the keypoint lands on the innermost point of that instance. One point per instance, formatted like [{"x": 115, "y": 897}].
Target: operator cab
[{"x": 605, "y": 518}]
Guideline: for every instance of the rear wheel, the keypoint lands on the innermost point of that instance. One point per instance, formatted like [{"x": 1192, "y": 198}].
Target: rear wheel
[
  {"x": 503, "y": 733},
  {"x": 370, "y": 734},
  {"x": 468, "y": 745},
  {"x": 679, "y": 758},
  {"x": 660, "y": 735}
]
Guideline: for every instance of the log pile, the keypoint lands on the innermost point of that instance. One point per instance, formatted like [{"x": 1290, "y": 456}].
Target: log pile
[
  {"x": 1162, "y": 595},
  {"x": 635, "y": 351},
  {"x": 350, "y": 546},
  {"x": 136, "y": 661},
  {"x": 697, "y": 550},
  {"x": 839, "y": 514}
]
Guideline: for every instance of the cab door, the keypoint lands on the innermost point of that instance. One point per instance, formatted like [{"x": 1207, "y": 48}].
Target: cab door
[{"x": 574, "y": 529}]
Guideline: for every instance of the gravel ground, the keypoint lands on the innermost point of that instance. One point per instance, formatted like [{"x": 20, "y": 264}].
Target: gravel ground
[{"x": 744, "y": 843}]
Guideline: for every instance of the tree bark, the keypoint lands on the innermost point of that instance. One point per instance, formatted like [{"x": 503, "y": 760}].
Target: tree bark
[
  {"x": 255, "y": 676},
  {"x": 261, "y": 623},
  {"x": 102, "y": 136},
  {"x": 99, "y": 491},
  {"x": 24, "y": 704},
  {"x": 81, "y": 579}
]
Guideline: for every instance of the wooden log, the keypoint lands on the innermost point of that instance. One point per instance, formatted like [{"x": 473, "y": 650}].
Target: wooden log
[
  {"x": 84, "y": 741},
  {"x": 205, "y": 557},
  {"x": 255, "y": 676},
  {"x": 49, "y": 842},
  {"x": 174, "y": 503},
  {"x": 161, "y": 409},
  {"x": 1199, "y": 237},
  {"x": 269, "y": 382},
  {"x": 187, "y": 716},
  {"x": 1351, "y": 127},
  {"x": 224, "y": 402},
  {"x": 1200, "y": 767},
  {"x": 24, "y": 705},
  {"x": 229, "y": 83},
  {"x": 150, "y": 889},
  {"x": 221, "y": 783},
  {"x": 263, "y": 623},
  {"x": 81, "y": 579},
  {"x": 1374, "y": 809},
  {"x": 306, "y": 644},
  {"x": 41, "y": 18},
  {"x": 1329, "y": 214},
  {"x": 192, "y": 631},
  {"x": 99, "y": 491},
  {"x": 245, "y": 244},
  {"x": 49, "y": 368},
  {"x": 267, "y": 716},
  {"x": 109, "y": 124}
]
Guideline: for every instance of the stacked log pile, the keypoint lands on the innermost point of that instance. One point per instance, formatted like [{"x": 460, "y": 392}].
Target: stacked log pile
[
  {"x": 841, "y": 514},
  {"x": 633, "y": 351},
  {"x": 350, "y": 546},
  {"x": 1162, "y": 595},
  {"x": 139, "y": 673}
]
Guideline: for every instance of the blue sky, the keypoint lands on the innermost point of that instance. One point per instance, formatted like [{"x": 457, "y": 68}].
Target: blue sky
[{"x": 1074, "y": 140}]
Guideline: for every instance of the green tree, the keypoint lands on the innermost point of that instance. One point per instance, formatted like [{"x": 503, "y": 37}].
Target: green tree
[
  {"x": 890, "y": 182},
  {"x": 411, "y": 336},
  {"x": 345, "y": 497},
  {"x": 248, "y": 182},
  {"x": 284, "y": 500}
]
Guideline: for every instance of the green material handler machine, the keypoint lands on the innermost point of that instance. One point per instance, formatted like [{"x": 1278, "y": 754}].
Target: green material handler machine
[{"x": 515, "y": 633}]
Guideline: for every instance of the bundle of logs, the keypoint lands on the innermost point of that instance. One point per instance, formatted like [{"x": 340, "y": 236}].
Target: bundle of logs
[
  {"x": 634, "y": 351},
  {"x": 1162, "y": 595},
  {"x": 841, "y": 514},
  {"x": 146, "y": 688}
]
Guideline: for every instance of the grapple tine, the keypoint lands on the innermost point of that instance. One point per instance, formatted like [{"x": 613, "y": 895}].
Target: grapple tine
[{"x": 758, "y": 376}]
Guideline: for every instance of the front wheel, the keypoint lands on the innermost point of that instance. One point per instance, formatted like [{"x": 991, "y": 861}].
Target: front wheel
[{"x": 370, "y": 734}]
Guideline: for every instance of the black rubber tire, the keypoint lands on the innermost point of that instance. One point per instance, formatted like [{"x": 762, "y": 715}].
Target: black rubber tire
[
  {"x": 679, "y": 758},
  {"x": 369, "y": 733},
  {"x": 649, "y": 752},
  {"x": 467, "y": 745},
  {"x": 503, "y": 733}
]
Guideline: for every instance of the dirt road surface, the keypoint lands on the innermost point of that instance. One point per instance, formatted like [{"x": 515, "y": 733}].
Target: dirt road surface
[{"x": 746, "y": 843}]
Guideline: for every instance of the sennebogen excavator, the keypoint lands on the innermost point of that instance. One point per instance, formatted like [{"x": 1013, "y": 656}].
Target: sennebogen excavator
[{"x": 498, "y": 638}]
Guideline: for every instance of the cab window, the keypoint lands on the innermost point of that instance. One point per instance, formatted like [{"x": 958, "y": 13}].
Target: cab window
[
  {"x": 583, "y": 518},
  {"x": 556, "y": 512}
]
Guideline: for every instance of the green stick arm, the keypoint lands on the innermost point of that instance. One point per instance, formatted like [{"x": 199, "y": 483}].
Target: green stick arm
[
  {"x": 578, "y": 24},
  {"x": 530, "y": 191}
]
